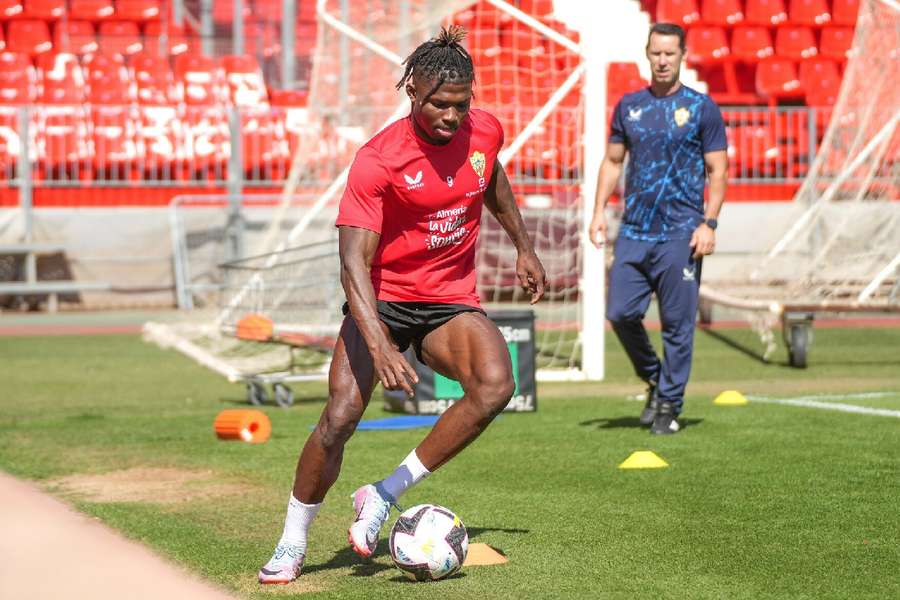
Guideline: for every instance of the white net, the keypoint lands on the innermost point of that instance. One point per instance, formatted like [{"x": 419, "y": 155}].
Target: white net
[
  {"x": 526, "y": 74},
  {"x": 840, "y": 249}
]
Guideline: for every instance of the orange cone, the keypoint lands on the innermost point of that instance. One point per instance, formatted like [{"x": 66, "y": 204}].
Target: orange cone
[{"x": 243, "y": 424}]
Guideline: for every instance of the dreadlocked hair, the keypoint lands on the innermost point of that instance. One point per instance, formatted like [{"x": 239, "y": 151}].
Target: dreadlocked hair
[{"x": 442, "y": 58}]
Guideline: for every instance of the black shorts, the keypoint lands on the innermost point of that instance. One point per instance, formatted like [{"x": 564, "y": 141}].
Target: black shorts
[{"x": 410, "y": 322}]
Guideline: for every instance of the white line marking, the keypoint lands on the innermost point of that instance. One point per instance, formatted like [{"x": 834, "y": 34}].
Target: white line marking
[{"x": 817, "y": 402}]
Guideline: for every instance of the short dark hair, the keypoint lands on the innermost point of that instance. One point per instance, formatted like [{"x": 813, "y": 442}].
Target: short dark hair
[{"x": 668, "y": 29}]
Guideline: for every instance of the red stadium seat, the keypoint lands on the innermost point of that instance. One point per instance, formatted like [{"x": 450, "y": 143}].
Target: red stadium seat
[
  {"x": 752, "y": 151},
  {"x": 680, "y": 12},
  {"x": 262, "y": 39},
  {"x": 821, "y": 80},
  {"x": 751, "y": 44},
  {"x": 29, "y": 37},
  {"x": 11, "y": 9},
  {"x": 153, "y": 77},
  {"x": 809, "y": 12},
  {"x": 178, "y": 42},
  {"x": 107, "y": 78},
  {"x": 76, "y": 37},
  {"x": 10, "y": 141},
  {"x": 2, "y": 40},
  {"x": 622, "y": 78},
  {"x": 484, "y": 43},
  {"x": 223, "y": 12},
  {"x": 269, "y": 10},
  {"x": 305, "y": 40},
  {"x": 60, "y": 78},
  {"x": 199, "y": 80},
  {"x": 206, "y": 130},
  {"x": 795, "y": 43},
  {"x": 836, "y": 43},
  {"x": 17, "y": 79},
  {"x": 113, "y": 136},
  {"x": 765, "y": 12},
  {"x": 844, "y": 12},
  {"x": 161, "y": 142},
  {"x": 244, "y": 78},
  {"x": 120, "y": 37},
  {"x": 707, "y": 45},
  {"x": 777, "y": 78},
  {"x": 137, "y": 10},
  {"x": 62, "y": 143},
  {"x": 263, "y": 145},
  {"x": 45, "y": 10},
  {"x": 542, "y": 9},
  {"x": 289, "y": 98},
  {"x": 726, "y": 13},
  {"x": 92, "y": 10}
]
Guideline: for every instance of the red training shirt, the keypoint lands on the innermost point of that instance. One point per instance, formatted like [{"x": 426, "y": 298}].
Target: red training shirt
[{"x": 425, "y": 201}]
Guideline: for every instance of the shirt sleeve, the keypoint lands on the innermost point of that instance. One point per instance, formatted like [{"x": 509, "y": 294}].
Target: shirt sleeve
[
  {"x": 363, "y": 201},
  {"x": 712, "y": 128},
  {"x": 617, "y": 126}
]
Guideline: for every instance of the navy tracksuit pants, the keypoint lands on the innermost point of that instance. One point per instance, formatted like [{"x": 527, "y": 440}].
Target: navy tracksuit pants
[{"x": 666, "y": 268}]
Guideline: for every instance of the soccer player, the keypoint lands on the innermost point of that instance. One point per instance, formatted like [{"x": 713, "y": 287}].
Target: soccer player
[
  {"x": 408, "y": 224},
  {"x": 675, "y": 138}
]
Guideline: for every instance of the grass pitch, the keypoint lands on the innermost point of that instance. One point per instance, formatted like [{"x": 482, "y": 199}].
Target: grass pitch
[{"x": 761, "y": 501}]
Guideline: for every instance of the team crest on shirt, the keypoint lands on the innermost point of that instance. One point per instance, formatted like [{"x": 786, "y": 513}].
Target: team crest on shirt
[
  {"x": 682, "y": 115},
  {"x": 477, "y": 161}
]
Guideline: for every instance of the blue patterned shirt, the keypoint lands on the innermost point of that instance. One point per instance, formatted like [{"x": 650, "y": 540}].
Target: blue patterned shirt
[{"x": 666, "y": 139}]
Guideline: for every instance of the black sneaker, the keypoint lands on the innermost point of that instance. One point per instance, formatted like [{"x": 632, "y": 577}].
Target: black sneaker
[
  {"x": 650, "y": 408},
  {"x": 665, "y": 421}
]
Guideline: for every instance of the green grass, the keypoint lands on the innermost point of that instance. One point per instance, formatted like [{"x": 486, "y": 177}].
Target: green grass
[{"x": 762, "y": 501}]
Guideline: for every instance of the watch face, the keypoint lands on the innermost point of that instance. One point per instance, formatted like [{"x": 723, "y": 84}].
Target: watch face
[{"x": 712, "y": 223}]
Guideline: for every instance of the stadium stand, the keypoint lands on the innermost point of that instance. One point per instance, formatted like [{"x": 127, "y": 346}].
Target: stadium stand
[{"x": 158, "y": 110}]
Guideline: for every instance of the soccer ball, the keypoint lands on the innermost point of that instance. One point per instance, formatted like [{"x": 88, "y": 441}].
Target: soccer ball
[{"x": 428, "y": 542}]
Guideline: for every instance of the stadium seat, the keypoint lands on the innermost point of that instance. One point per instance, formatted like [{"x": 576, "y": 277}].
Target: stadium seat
[
  {"x": 29, "y": 37},
  {"x": 753, "y": 150},
  {"x": 10, "y": 141},
  {"x": 107, "y": 78},
  {"x": 199, "y": 80},
  {"x": 796, "y": 43},
  {"x": 2, "y": 40},
  {"x": 288, "y": 98},
  {"x": 207, "y": 136},
  {"x": 809, "y": 12},
  {"x": 92, "y": 10},
  {"x": 262, "y": 39},
  {"x": 120, "y": 37},
  {"x": 153, "y": 78},
  {"x": 76, "y": 37},
  {"x": 523, "y": 41},
  {"x": 269, "y": 10},
  {"x": 821, "y": 81},
  {"x": 484, "y": 44},
  {"x": 137, "y": 10},
  {"x": 161, "y": 143},
  {"x": 622, "y": 78},
  {"x": 776, "y": 78},
  {"x": 246, "y": 87},
  {"x": 223, "y": 12},
  {"x": 178, "y": 42},
  {"x": 680, "y": 12},
  {"x": 45, "y": 10},
  {"x": 751, "y": 44},
  {"x": 114, "y": 145},
  {"x": 707, "y": 45},
  {"x": 765, "y": 12},
  {"x": 17, "y": 79},
  {"x": 11, "y": 9},
  {"x": 60, "y": 79},
  {"x": 263, "y": 145},
  {"x": 62, "y": 143},
  {"x": 836, "y": 43},
  {"x": 305, "y": 41},
  {"x": 725, "y": 13},
  {"x": 541, "y": 9},
  {"x": 844, "y": 12}
]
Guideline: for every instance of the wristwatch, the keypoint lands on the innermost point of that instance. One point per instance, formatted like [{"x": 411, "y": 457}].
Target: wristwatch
[{"x": 711, "y": 223}]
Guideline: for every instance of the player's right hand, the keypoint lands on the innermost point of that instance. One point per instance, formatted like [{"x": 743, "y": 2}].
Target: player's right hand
[
  {"x": 394, "y": 372},
  {"x": 597, "y": 230}
]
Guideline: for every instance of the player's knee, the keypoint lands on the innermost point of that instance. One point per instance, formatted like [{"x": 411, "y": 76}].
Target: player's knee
[
  {"x": 618, "y": 315},
  {"x": 493, "y": 390},
  {"x": 337, "y": 425}
]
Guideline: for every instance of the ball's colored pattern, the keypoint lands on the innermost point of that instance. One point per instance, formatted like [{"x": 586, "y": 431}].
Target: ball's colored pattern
[{"x": 428, "y": 542}]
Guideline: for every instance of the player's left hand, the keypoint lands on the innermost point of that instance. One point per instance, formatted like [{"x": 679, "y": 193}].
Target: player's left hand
[
  {"x": 531, "y": 275},
  {"x": 703, "y": 241}
]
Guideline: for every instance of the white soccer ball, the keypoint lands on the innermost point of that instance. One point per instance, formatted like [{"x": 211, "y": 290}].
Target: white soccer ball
[{"x": 428, "y": 542}]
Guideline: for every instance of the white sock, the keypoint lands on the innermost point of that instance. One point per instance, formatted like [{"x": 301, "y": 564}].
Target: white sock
[
  {"x": 299, "y": 517},
  {"x": 410, "y": 472}
]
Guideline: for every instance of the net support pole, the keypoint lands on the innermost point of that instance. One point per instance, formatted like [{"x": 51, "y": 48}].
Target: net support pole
[{"x": 596, "y": 54}]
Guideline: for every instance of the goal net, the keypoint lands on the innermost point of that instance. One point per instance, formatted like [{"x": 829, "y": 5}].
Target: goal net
[
  {"x": 840, "y": 249},
  {"x": 528, "y": 73}
]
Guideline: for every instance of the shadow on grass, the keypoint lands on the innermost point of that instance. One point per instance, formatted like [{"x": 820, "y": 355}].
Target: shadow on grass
[
  {"x": 476, "y": 531},
  {"x": 404, "y": 579},
  {"x": 631, "y": 423},
  {"x": 755, "y": 354}
]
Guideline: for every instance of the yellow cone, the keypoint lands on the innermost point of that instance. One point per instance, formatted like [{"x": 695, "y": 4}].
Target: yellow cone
[
  {"x": 643, "y": 459},
  {"x": 482, "y": 554},
  {"x": 730, "y": 398}
]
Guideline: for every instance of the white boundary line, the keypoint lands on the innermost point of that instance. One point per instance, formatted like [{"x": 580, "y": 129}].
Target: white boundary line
[{"x": 821, "y": 402}]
